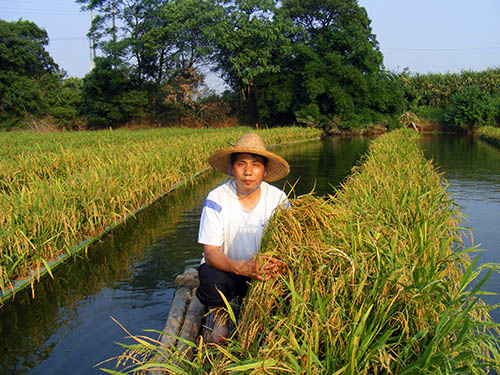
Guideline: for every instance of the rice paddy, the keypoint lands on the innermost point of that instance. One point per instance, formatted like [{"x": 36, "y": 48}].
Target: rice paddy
[
  {"x": 59, "y": 189},
  {"x": 376, "y": 281}
]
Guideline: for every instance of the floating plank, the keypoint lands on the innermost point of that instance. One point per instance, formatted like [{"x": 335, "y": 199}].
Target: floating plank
[
  {"x": 181, "y": 315},
  {"x": 188, "y": 278},
  {"x": 176, "y": 316},
  {"x": 192, "y": 325}
]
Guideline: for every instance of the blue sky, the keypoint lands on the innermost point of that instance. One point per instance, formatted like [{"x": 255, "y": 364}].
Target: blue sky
[{"x": 424, "y": 36}]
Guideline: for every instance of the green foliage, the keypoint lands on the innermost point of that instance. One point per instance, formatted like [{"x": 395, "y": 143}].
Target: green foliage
[
  {"x": 22, "y": 47},
  {"x": 25, "y": 69},
  {"x": 152, "y": 63},
  {"x": 394, "y": 123},
  {"x": 490, "y": 134},
  {"x": 64, "y": 98},
  {"x": 437, "y": 89},
  {"x": 470, "y": 108},
  {"x": 334, "y": 70},
  {"x": 434, "y": 114},
  {"x": 247, "y": 41},
  {"x": 109, "y": 96}
]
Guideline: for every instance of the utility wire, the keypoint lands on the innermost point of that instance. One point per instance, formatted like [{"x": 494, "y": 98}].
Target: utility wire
[{"x": 441, "y": 49}]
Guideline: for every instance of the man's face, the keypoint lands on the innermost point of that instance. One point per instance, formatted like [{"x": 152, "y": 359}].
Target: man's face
[{"x": 248, "y": 171}]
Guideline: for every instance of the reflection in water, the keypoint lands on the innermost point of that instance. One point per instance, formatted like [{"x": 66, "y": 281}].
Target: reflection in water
[
  {"x": 473, "y": 165},
  {"x": 472, "y": 169},
  {"x": 129, "y": 275},
  {"x": 321, "y": 165}
]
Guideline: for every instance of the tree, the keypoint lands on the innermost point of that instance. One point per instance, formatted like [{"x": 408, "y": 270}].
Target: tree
[
  {"x": 151, "y": 37},
  {"x": 335, "y": 71},
  {"x": 156, "y": 42},
  {"x": 248, "y": 37},
  {"x": 313, "y": 62},
  {"x": 118, "y": 29},
  {"x": 109, "y": 97},
  {"x": 65, "y": 100},
  {"x": 25, "y": 69}
]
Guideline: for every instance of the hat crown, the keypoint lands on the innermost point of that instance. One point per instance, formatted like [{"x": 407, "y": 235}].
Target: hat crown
[
  {"x": 251, "y": 141},
  {"x": 276, "y": 167}
]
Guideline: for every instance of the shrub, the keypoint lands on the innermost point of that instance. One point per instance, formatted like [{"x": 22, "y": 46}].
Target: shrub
[{"x": 471, "y": 108}]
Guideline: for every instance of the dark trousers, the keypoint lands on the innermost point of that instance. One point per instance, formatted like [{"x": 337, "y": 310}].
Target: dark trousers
[{"x": 213, "y": 280}]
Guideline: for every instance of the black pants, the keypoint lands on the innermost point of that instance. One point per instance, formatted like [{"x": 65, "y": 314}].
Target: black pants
[{"x": 212, "y": 280}]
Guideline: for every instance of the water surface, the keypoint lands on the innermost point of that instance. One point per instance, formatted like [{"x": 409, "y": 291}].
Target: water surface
[{"x": 472, "y": 170}]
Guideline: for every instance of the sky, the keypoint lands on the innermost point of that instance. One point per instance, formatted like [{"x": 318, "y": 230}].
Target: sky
[{"x": 425, "y": 36}]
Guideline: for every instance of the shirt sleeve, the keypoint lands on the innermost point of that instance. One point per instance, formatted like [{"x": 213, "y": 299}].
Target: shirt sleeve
[
  {"x": 211, "y": 230},
  {"x": 285, "y": 203}
]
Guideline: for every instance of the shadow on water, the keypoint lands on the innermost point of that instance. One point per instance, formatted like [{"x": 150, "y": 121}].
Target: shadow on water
[{"x": 129, "y": 275}]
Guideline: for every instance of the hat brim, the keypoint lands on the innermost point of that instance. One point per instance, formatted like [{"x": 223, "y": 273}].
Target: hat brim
[{"x": 276, "y": 168}]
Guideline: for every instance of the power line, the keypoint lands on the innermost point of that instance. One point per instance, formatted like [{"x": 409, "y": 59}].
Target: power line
[{"x": 442, "y": 49}]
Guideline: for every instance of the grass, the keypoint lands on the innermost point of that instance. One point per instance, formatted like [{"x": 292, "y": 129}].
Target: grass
[
  {"x": 490, "y": 134},
  {"x": 59, "y": 189},
  {"x": 377, "y": 281}
]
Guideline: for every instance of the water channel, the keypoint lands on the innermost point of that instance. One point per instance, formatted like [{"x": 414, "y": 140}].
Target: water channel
[{"x": 67, "y": 328}]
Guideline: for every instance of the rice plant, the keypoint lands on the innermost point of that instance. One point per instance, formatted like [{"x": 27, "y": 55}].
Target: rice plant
[
  {"x": 59, "y": 189},
  {"x": 376, "y": 281}
]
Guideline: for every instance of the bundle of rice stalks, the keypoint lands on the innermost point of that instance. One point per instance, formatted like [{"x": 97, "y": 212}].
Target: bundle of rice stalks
[{"x": 376, "y": 281}]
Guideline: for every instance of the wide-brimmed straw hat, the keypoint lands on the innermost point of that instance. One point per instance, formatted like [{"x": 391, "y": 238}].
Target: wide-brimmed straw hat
[{"x": 276, "y": 167}]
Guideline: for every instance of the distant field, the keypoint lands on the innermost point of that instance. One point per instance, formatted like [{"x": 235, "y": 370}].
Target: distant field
[{"x": 58, "y": 189}]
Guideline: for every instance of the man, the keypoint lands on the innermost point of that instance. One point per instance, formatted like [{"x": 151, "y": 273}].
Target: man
[{"x": 233, "y": 220}]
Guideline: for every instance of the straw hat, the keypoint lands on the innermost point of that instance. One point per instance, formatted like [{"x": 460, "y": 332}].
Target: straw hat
[{"x": 276, "y": 167}]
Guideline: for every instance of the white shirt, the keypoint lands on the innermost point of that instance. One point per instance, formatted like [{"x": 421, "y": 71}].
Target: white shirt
[{"x": 225, "y": 223}]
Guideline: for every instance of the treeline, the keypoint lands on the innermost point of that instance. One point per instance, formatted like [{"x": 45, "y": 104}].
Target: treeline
[
  {"x": 32, "y": 87},
  {"x": 303, "y": 62},
  {"x": 309, "y": 63},
  {"x": 465, "y": 100}
]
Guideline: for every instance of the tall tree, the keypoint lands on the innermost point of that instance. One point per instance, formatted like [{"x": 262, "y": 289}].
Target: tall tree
[
  {"x": 25, "y": 69},
  {"x": 118, "y": 29},
  {"x": 248, "y": 37},
  {"x": 152, "y": 37},
  {"x": 335, "y": 72},
  {"x": 159, "y": 42},
  {"x": 110, "y": 99}
]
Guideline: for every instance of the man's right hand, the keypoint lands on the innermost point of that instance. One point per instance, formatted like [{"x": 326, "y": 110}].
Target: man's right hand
[
  {"x": 261, "y": 268},
  {"x": 253, "y": 268}
]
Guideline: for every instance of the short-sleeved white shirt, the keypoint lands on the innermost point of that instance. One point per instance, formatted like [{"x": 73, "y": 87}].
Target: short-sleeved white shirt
[{"x": 225, "y": 223}]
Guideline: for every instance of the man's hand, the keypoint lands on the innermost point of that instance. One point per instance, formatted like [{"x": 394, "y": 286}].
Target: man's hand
[{"x": 262, "y": 268}]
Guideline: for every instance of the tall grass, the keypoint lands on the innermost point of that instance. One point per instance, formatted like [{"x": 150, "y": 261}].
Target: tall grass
[
  {"x": 377, "y": 281},
  {"x": 490, "y": 134},
  {"x": 58, "y": 189}
]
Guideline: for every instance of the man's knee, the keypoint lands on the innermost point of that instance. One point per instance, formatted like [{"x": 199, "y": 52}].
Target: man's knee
[
  {"x": 209, "y": 294},
  {"x": 212, "y": 283}
]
